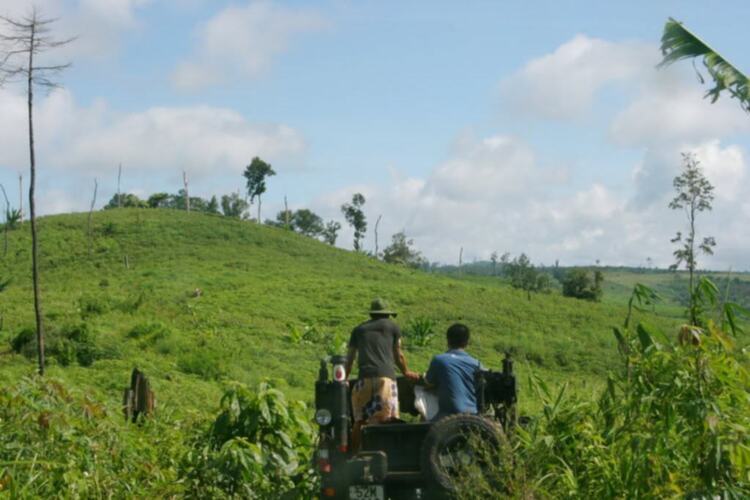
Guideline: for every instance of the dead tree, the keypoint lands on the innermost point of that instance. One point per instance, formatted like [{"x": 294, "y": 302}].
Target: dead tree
[
  {"x": 119, "y": 178},
  {"x": 460, "y": 262},
  {"x": 6, "y": 226},
  {"x": 20, "y": 197},
  {"x": 138, "y": 399},
  {"x": 377, "y": 223},
  {"x": 286, "y": 214},
  {"x": 22, "y": 41},
  {"x": 187, "y": 195},
  {"x": 91, "y": 213}
]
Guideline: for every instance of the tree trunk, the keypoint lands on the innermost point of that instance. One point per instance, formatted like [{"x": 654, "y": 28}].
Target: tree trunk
[
  {"x": 187, "y": 194},
  {"x": 258, "y": 209},
  {"x": 691, "y": 265},
  {"x": 460, "y": 261},
  {"x": 91, "y": 213},
  {"x": 7, "y": 220},
  {"x": 286, "y": 213},
  {"x": 20, "y": 197},
  {"x": 377, "y": 223},
  {"x": 32, "y": 213},
  {"x": 119, "y": 195}
]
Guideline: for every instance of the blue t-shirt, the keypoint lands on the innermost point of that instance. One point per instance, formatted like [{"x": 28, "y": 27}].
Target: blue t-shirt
[{"x": 453, "y": 373}]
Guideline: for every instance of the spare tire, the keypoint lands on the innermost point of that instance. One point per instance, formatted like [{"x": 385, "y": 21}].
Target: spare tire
[{"x": 447, "y": 449}]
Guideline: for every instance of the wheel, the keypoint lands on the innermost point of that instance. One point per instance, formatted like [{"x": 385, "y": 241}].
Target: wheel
[{"x": 447, "y": 450}]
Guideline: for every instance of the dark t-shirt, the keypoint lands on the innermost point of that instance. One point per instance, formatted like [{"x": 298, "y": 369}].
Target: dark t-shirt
[
  {"x": 375, "y": 341},
  {"x": 453, "y": 373}
]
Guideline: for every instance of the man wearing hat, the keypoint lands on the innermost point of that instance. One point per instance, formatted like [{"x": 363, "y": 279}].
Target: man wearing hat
[{"x": 376, "y": 344}]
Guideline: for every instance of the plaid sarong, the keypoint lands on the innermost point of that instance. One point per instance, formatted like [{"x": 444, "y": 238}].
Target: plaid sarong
[{"x": 375, "y": 400}]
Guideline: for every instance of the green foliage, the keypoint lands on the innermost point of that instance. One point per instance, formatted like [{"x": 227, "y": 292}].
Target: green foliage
[
  {"x": 68, "y": 344},
  {"x": 125, "y": 200},
  {"x": 233, "y": 206},
  {"x": 330, "y": 232},
  {"x": 12, "y": 219},
  {"x": 255, "y": 175},
  {"x": 93, "y": 305},
  {"x": 673, "y": 421},
  {"x": 150, "y": 333},
  {"x": 583, "y": 284},
  {"x": 419, "y": 332},
  {"x": 55, "y": 443},
  {"x": 303, "y": 221},
  {"x": 259, "y": 446},
  {"x": 694, "y": 195},
  {"x": 524, "y": 276},
  {"x": 333, "y": 343},
  {"x": 355, "y": 216},
  {"x": 400, "y": 252},
  {"x": 678, "y": 43},
  {"x": 205, "y": 364}
]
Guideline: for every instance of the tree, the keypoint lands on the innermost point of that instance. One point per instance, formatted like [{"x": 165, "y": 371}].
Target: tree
[
  {"x": 159, "y": 200},
  {"x": 23, "y": 41},
  {"x": 331, "y": 232},
  {"x": 256, "y": 174},
  {"x": 400, "y": 251},
  {"x": 524, "y": 276},
  {"x": 233, "y": 206},
  {"x": 307, "y": 223},
  {"x": 356, "y": 218},
  {"x": 583, "y": 284},
  {"x": 127, "y": 200},
  {"x": 677, "y": 43},
  {"x": 493, "y": 259},
  {"x": 694, "y": 195},
  {"x": 213, "y": 206}
]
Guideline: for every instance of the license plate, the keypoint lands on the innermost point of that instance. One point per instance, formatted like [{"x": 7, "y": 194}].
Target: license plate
[{"x": 369, "y": 492}]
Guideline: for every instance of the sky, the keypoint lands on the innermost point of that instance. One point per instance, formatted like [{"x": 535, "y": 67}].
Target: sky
[{"x": 536, "y": 127}]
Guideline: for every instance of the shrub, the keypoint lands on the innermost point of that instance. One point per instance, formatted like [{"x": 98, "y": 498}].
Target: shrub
[
  {"x": 259, "y": 446},
  {"x": 673, "y": 421},
  {"x": 583, "y": 284},
  {"x": 93, "y": 305},
  {"x": 203, "y": 363},
  {"x": 70, "y": 343},
  {"x": 419, "y": 331},
  {"x": 149, "y": 333},
  {"x": 21, "y": 342},
  {"x": 55, "y": 443}
]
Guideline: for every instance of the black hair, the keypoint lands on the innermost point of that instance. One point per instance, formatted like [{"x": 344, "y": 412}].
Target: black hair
[{"x": 458, "y": 336}]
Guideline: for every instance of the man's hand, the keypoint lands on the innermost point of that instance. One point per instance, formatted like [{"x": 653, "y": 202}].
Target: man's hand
[{"x": 413, "y": 376}]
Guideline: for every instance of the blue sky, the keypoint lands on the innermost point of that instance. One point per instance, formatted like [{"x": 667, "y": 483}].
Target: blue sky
[{"x": 528, "y": 127}]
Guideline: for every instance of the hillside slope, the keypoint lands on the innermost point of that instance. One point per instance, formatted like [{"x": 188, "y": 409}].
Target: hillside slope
[{"x": 195, "y": 300}]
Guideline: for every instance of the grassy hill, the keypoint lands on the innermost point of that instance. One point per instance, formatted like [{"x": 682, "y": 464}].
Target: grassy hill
[
  {"x": 195, "y": 300},
  {"x": 199, "y": 301}
]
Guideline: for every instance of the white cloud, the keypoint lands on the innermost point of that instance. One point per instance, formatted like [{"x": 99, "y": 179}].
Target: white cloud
[
  {"x": 564, "y": 84},
  {"x": 450, "y": 209},
  {"x": 241, "y": 41},
  {"x": 157, "y": 141},
  {"x": 98, "y": 25},
  {"x": 670, "y": 108}
]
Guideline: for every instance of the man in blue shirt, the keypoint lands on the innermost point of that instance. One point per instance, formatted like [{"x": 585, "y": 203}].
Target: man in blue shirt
[{"x": 453, "y": 374}]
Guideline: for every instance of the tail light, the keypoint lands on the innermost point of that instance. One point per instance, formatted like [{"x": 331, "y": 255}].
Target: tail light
[{"x": 339, "y": 373}]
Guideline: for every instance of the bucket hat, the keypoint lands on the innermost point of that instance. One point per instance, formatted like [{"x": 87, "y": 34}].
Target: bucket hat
[{"x": 380, "y": 306}]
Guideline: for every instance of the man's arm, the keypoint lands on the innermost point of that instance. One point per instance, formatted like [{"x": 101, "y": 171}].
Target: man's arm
[
  {"x": 430, "y": 378},
  {"x": 350, "y": 357},
  {"x": 398, "y": 355}
]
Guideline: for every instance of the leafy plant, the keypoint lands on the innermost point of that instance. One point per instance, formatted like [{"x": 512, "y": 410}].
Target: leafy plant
[
  {"x": 673, "y": 421},
  {"x": 259, "y": 446},
  {"x": 420, "y": 331},
  {"x": 203, "y": 363},
  {"x": 677, "y": 43}
]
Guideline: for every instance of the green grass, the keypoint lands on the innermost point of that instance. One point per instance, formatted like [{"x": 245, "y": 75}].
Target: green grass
[{"x": 254, "y": 283}]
